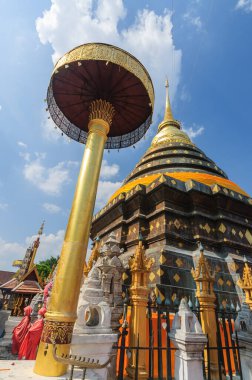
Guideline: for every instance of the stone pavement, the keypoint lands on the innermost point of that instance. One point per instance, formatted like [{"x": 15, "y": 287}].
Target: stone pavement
[{"x": 23, "y": 370}]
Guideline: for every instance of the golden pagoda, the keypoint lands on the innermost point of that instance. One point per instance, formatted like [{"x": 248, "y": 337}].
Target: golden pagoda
[{"x": 176, "y": 196}]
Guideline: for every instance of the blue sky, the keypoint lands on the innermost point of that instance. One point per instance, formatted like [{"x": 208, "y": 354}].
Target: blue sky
[{"x": 205, "y": 49}]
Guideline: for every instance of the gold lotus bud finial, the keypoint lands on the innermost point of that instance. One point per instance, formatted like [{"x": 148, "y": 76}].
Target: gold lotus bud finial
[
  {"x": 203, "y": 276},
  {"x": 139, "y": 262}
]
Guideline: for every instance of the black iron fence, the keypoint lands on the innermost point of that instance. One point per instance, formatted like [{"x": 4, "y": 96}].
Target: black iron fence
[{"x": 160, "y": 352}]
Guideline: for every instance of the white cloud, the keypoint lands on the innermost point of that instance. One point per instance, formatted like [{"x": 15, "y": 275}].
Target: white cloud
[
  {"x": 51, "y": 208},
  {"x": 108, "y": 171},
  {"x": 10, "y": 251},
  {"x": 193, "y": 20},
  {"x": 3, "y": 206},
  {"x": 105, "y": 190},
  {"x": 49, "y": 131},
  {"x": 246, "y": 5},
  {"x": 49, "y": 180},
  {"x": 70, "y": 23},
  {"x": 22, "y": 144},
  {"x": 25, "y": 155},
  {"x": 1, "y": 107},
  {"x": 184, "y": 95},
  {"x": 194, "y": 131}
]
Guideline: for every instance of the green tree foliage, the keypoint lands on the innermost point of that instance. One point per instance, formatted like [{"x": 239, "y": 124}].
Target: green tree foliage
[{"x": 45, "y": 267}]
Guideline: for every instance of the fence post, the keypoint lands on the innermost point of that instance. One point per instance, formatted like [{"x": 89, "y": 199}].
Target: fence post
[
  {"x": 139, "y": 291},
  {"x": 204, "y": 292},
  {"x": 188, "y": 338}
]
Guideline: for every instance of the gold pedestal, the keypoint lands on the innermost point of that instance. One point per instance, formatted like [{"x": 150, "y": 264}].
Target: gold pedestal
[
  {"x": 139, "y": 291},
  {"x": 204, "y": 292},
  {"x": 61, "y": 314}
]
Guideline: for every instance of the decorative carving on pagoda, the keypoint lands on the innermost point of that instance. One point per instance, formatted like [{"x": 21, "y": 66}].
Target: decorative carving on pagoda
[
  {"x": 245, "y": 283},
  {"x": 140, "y": 263},
  {"x": 100, "y": 302}
]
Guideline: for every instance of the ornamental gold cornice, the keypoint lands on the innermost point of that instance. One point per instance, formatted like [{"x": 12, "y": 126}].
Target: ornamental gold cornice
[
  {"x": 168, "y": 140},
  {"x": 108, "y": 53}
]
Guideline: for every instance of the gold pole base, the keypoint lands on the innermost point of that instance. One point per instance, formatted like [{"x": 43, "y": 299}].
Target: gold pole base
[{"x": 46, "y": 365}]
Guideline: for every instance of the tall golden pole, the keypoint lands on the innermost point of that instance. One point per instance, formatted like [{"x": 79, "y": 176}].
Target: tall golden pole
[{"x": 61, "y": 314}]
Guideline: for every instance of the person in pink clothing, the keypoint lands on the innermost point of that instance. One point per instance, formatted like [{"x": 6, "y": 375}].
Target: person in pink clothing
[
  {"x": 28, "y": 349},
  {"x": 20, "y": 330}
]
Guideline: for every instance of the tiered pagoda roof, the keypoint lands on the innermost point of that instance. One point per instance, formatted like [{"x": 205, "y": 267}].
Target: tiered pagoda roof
[{"x": 173, "y": 154}]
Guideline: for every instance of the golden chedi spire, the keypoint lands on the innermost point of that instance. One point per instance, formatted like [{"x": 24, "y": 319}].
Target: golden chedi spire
[
  {"x": 169, "y": 130},
  {"x": 246, "y": 284},
  {"x": 168, "y": 116}
]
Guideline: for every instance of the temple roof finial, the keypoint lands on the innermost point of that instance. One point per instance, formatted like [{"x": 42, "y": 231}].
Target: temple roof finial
[
  {"x": 40, "y": 231},
  {"x": 168, "y": 116}
]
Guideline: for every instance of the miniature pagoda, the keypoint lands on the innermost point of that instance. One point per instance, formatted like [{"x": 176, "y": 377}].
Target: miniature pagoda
[
  {"x": 175, "y": 197},
  {"x": 26, "y": 283}
]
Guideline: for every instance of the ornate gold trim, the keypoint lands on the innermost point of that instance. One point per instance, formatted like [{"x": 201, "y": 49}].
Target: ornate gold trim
[
  {"x": 108, "y": 53},
  {"x": 100, "y": 109},
  {"x": 57, "y": 332}
]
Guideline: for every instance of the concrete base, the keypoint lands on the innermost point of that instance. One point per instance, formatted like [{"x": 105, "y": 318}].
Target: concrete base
[
  {"x": 245, "y": 340},
  {"x": 98, "y": 347},
  {"x": 6, "y": 341}
]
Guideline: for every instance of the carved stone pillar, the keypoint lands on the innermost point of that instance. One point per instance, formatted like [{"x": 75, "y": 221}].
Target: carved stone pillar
[{"x": 188, "y": 338}]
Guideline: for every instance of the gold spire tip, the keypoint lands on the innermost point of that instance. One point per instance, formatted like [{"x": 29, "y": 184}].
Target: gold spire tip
[
  {"x": 168, "y": 116},
  {"x": 40, "y": 231}
]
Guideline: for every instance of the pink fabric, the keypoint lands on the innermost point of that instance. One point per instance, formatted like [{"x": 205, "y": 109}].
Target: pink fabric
[
  {"x": 42, "y": 311},
  {"x": 20, "y": 330}
]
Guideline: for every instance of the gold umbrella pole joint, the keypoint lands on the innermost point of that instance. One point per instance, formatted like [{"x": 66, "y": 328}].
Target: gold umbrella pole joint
[{"x": 61, "y": 315}]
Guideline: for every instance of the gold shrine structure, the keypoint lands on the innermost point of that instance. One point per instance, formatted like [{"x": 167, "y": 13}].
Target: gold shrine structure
[{"x": 26, "y": 283}]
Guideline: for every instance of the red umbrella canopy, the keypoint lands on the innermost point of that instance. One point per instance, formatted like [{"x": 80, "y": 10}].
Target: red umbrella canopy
[{"x": 100, "y": 71}]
